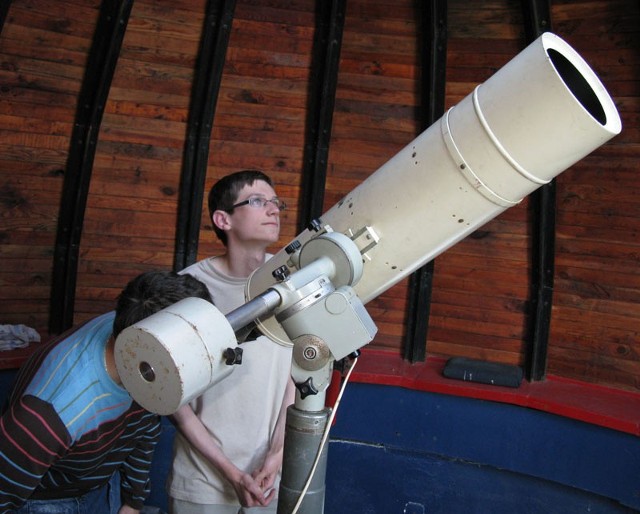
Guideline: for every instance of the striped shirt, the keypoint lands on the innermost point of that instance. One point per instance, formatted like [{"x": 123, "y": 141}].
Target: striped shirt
[{"x": 68, "y": 426}]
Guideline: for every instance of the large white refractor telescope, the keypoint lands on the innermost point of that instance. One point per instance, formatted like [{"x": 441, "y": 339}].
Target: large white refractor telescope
[{"x": 538, "y": 115}]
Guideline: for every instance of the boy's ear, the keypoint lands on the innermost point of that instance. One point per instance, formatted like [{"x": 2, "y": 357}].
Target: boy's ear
[{"x": 221, "y": 219}]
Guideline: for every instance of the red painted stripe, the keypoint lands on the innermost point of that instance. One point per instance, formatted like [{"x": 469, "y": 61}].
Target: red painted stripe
[{"x": 604, "y": 406}]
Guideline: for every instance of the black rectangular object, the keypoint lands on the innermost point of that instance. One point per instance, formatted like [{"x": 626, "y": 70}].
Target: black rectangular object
[{"x": 484, "y": 372}]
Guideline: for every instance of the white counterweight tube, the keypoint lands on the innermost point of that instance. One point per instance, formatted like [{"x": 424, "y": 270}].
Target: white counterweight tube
[{"x": 174, "y": 355}]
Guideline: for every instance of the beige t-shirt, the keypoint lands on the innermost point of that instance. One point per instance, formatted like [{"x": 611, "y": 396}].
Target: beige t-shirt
[{"x": 240, "y": 412}]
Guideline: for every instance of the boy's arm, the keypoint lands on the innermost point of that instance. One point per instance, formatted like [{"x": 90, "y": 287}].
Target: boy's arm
[
  {"x": 266, "y": 475},
  {"x": 247, "y": 489},
  {"x": 135, "y": 482},
  {"x": 32, "y": 438}
]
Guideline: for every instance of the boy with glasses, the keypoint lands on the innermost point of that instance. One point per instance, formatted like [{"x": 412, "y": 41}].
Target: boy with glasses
[{"x": 229, "y": 446}]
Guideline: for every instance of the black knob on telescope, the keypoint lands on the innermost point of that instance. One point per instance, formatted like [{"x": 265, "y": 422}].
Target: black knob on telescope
[
  {"x": 232, "y": 356},
  {"x": 306, "y": 388},
  {"x": 315, "y": 225},
  {"x": 281, "y": 273},
  {"x": 293, "y": 247}
]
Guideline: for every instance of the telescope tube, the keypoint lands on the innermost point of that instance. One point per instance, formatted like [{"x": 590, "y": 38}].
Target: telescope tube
[{"x": 542, "y": 112}]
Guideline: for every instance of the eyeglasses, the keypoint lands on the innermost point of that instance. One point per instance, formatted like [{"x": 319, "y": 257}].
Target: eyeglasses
[{"x": 258, "y": 202}]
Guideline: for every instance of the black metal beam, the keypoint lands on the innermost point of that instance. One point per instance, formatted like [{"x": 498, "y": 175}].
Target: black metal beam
[
  {"x": 214, "y": 42},
  {"x": 433, "y": 53},
  {"x": 327, "y": 45},
  {"x": 4, "y": 10},
  {"x": 537, "y": 17},
  {"x": 101, "y": 63}
]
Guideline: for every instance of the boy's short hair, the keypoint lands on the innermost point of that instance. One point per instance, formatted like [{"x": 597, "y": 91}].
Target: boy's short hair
[
  {"x": 151, "y": 292},
  {"x": 224, "y": 193}
]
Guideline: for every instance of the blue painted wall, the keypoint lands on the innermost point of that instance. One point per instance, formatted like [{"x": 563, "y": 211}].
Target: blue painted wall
[{"x": 399, "y": 450}]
